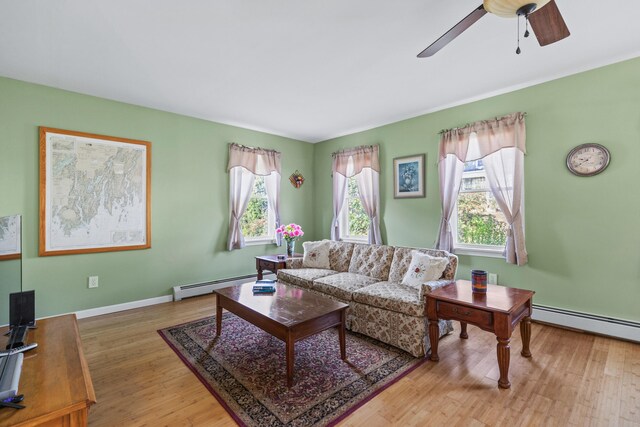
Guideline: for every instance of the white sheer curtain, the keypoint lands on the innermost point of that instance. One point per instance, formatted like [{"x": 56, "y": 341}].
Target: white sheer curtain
[
  {"x": 339, "y": 193},
  {"x": 501, "y": 146},
  {"x": 450, "y": 171},
  {"x": 244, "y": 164},
  {"x": 368, "y": 182},
  {"x": 363, "y": 163},
  {"x": 272, "y": 184}
]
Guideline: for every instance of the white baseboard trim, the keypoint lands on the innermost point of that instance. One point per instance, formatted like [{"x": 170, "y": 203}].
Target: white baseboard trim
[
  {"x": 601, "y": 325},
  {"x": 99, "y": 311}
]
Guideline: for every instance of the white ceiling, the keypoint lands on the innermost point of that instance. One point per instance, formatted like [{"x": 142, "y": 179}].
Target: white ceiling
[{"x": 309, "y": 70}]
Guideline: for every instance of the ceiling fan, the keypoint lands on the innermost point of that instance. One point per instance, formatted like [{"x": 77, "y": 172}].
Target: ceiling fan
[{"x": 544, "y": 16}]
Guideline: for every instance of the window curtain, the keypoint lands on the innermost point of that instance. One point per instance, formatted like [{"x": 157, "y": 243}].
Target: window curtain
[
  {"x": 505, "y": 173},
  {"x": 501, "y": 144},
  {"x": 363, "y": 163},
  {"x": 245, "y": 163},
  {"x": 453, "y": 150}
]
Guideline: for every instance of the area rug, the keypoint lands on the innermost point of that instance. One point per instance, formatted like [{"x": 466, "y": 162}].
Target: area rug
[{"x": 245, "y": 370}]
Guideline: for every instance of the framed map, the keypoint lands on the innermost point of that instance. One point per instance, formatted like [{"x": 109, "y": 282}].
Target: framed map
[
  {"x": 95, "y": 193},
  {"x": 10, "y": 238}
]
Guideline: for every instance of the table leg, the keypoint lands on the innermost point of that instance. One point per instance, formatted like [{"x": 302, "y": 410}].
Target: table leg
[
  {"x": 463, "y": 330},
  {"x": 434, "y": 335},
  {"x": 218, "y": 316},
  {"x": 341, "y": 333},
  {"x": 525, "y": 333},
  {"x": 504, "y": 351},
  {"x": 290, "y": 345},
  {"x": 259, "y": 273}
]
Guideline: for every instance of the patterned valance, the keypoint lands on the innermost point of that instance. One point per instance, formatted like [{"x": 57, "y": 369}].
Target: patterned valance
[
  {"x": 258, "y": 161},
  {"x": 365, "y": 156},
  {"x": 493, "y": 135}
]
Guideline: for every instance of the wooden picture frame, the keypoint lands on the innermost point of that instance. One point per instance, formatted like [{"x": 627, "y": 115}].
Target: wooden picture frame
[
  {"x": 409, "y": 177},
  {"x": 95, "y": 193}
]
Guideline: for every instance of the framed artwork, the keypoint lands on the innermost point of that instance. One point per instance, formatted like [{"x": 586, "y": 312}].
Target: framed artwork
[
  {"x": 408, "y": 177},
  {"x": 10, "y": 238},
  {"x": 95, "y": 193}
]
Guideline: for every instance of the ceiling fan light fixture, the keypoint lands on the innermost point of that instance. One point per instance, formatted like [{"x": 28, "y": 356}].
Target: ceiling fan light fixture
[{"x": 512, "y": 8}]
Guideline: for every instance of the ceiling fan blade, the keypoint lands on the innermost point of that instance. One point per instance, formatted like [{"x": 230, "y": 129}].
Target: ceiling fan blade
[
  {"x": 548, "y": 24},
  {"x": 454, "y": 32}
]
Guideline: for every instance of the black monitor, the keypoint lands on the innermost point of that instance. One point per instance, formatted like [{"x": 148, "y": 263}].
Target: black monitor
[{"x": 22, "y": 308}]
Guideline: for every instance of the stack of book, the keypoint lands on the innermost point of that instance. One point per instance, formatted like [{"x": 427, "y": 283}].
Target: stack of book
[{"x": 264, "y": 287}]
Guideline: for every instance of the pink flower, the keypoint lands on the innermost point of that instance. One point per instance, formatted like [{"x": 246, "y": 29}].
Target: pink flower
[{"x": 290, "y": 232}]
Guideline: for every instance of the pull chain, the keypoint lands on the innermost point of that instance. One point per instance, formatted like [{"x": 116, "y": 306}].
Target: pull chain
[
  {"x": 526, "y": 21},
  {"x": 518, "y": 49}
]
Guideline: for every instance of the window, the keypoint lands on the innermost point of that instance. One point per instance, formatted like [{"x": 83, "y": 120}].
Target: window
[
  {"x": 354, "y": 222},
  {"x": 258, "y": 223},
  {"x": 479, "y": 227}
]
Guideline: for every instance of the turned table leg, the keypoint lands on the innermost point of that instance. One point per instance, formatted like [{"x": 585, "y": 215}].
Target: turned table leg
[
  {"x": 463, "y": 330},
  {"x": 504, "y": 351},
  {"x": 434, "y": 335},
  {"x": 525, "y": 333}
]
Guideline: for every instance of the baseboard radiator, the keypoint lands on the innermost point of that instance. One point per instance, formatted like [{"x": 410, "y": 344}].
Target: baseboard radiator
[
  {"x": 601, "y": 325},
  {"x": 185, "y": 291}
]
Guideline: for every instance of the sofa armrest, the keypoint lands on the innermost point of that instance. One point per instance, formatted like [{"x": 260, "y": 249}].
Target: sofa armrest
[
  {"x": 294, "y": 263},
  {"x": 432, "y": 285}
]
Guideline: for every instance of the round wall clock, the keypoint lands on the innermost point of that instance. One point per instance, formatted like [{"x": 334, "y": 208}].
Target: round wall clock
[{"x": 588, "y": 159}]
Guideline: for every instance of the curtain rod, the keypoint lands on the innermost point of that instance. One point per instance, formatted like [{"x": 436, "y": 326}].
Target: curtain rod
[
  {"x": 347, "y": 150},
  {"x": 479, "y": 121},
  {"x": 246, "y": 147}
]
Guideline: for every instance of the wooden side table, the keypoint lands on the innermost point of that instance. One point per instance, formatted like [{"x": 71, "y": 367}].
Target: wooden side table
[
  {"x": 272, "y": 263},
  {"x": 497, "y": 311}
]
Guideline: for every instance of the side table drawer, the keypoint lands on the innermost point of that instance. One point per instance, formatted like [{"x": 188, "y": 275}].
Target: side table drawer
[
  {"x": 267, "y": 265},
  {"x": 474, "y": 316}
]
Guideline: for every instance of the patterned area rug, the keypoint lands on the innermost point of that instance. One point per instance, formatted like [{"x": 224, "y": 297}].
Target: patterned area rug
[{"x": 245, "y": 370}]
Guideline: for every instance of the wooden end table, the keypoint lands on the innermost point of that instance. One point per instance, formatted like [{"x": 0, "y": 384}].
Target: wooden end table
[
  {"x": 272, "y": 263},
  {"x": 289, "y": 314},
  {"x": 497, "y": 311}
]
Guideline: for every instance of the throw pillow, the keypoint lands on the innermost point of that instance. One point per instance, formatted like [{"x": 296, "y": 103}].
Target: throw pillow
[
  {"x": 316, "y": 254},
  {"x": 423, "y": 268}
]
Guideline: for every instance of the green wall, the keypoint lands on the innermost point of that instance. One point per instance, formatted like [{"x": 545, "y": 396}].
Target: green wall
[
  {"x": 189, "y": 197},
  {"x": 583, "y": 234}
]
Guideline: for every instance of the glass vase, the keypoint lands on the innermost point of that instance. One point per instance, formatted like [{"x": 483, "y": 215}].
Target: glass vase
[{"x": 291, "y": 247}]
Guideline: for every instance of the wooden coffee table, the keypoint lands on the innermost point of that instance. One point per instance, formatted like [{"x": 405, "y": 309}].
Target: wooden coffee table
[
  {"x": 497, "y": 311},
  {"x": 290, "y": 314}
]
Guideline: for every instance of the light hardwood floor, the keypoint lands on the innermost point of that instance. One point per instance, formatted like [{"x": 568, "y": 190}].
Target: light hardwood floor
[{"x": 572, "y": 379}]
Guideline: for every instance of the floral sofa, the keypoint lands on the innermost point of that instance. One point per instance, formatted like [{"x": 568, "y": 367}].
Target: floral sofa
[{"x": 368, "y": 278}]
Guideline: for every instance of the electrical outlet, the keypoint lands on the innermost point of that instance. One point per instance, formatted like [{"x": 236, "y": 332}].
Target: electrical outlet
[
  {"x": 493, "y": 279},
  {"x": 93, "y": 282}
]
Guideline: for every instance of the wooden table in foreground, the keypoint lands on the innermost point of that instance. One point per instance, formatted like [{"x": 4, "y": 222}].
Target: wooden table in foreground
[
  {"x": 289, "y": 314},
  {"x": 272, "y": 263},
  {"x": 55, "y": 378},
  {"x": 497, "y": 311}
]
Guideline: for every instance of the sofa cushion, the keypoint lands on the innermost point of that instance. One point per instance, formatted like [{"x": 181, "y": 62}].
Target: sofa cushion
[
  {"x": 402, "y": 259},
  {"x": 316, "y": 255},
  {"x": 342, "y": 285},
  {"x": 424, "y": 268},
  {"x": 372, "y": 261},
  {"x": 392, "y": 296},
  {"x": 340, "y": 255},
  {"x": 303, "y": 277}
]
